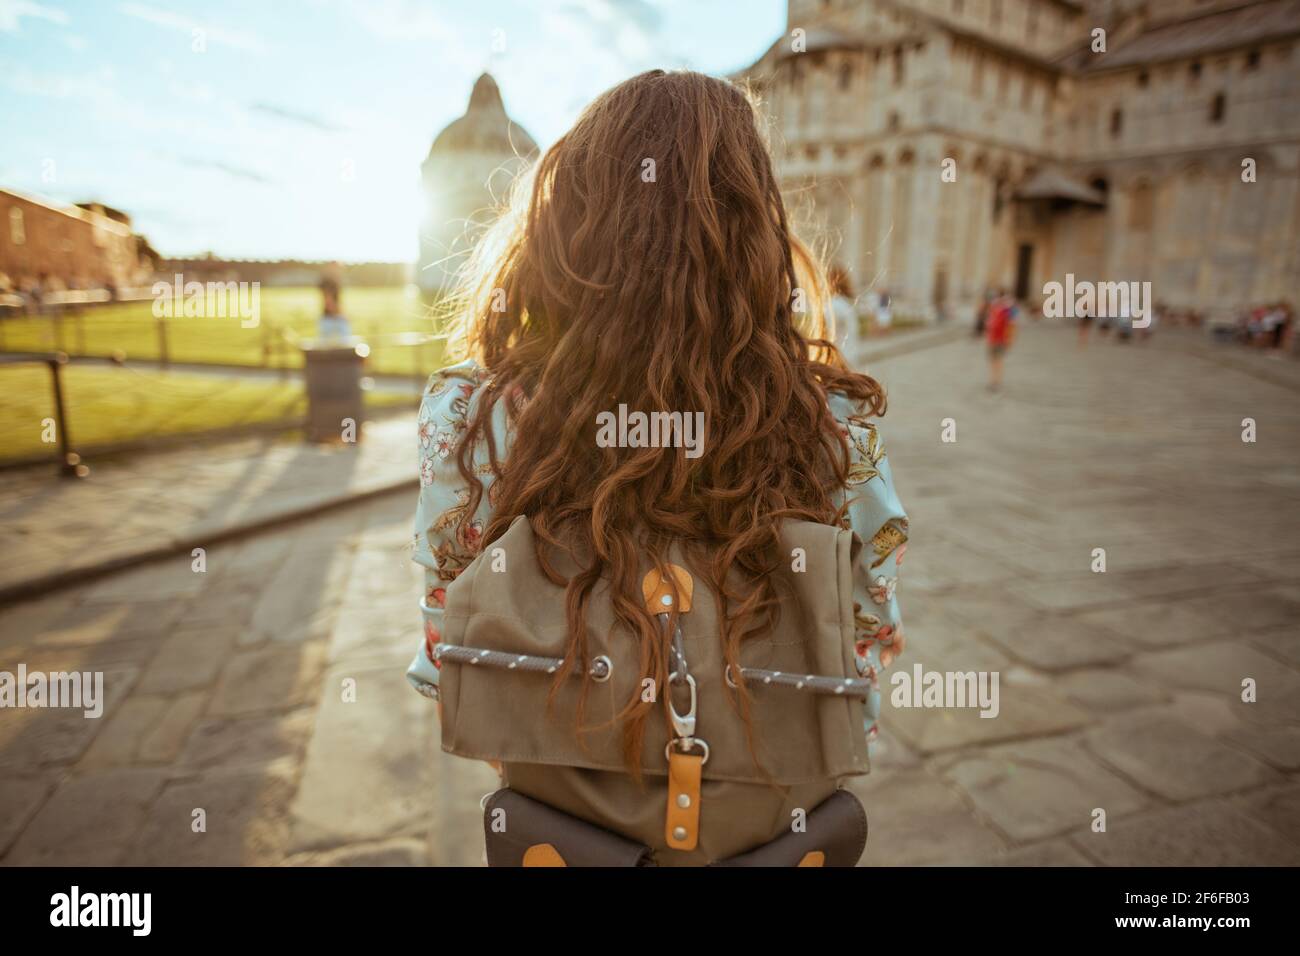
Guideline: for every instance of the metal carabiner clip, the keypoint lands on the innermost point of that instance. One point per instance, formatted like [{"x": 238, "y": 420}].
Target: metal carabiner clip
[{"x": 683, "y": 724}]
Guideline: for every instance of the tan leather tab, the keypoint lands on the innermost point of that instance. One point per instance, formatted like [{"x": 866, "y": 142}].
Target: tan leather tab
[
  {"x": 815, "y": 858},
  {"x": 682, "y": 827},
  {"x": 655, "y": 589},
  {"x": 543, "y": 854}
]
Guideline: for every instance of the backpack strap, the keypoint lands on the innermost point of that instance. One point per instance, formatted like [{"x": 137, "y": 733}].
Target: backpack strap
[{"x": 686, "y": 753}]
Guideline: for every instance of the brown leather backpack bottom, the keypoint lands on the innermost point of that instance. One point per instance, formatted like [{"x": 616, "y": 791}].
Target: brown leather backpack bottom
[{"x": 552, "y": 816}]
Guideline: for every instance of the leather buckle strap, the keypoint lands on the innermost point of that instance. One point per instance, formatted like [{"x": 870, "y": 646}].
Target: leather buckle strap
[
  {"x": 682, "y": 823},
  {"x": 685, "y": 765}
]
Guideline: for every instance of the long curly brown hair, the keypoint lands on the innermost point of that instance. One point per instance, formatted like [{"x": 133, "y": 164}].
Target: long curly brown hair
[{"x": 646, "y": 259}]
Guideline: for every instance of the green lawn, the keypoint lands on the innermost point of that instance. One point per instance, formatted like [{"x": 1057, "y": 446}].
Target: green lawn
[
  {"x": 111, "y": 405},
  {"x": 286, "y": 315}
]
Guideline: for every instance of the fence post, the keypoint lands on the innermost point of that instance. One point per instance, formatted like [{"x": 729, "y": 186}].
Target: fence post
[
  {"x": 70, "y": 465},
  {"x": 163, "y": 359}
]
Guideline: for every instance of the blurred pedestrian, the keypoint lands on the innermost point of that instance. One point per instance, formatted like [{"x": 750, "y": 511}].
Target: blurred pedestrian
[
  {"x": 333, "y": 323},
  {"x": 1000, "y": 331},
  {"x": 884, "y": 311},
  {"x": 982, "y": 312},
  {"x": 1087, "y": 313}
]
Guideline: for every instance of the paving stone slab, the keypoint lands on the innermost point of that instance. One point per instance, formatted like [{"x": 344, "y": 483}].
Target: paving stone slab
[
  {"x": 190, "y": 658},
  {"x": 1058, "y": 643},
  {"x": 163, "y": 743},
  {"x": 1219, "y": 668},
  {"x": 1278, "y": 807},
  {"x": 20, "y": 798},
  {"x": 248, "y": 741},
  {"x": 1169, "y": 758},
  {"x": 245, "y": 815},
  {"x": 401, "y": 852},
  {"x": 379, "y": 738},
  {"x": 96, "y": 623},
  {"x": 914, "y": 818},
  {"x": 1282, "y": 643},
  {"x": 49, "y": 737},
  {"x": 1105, "y": 691},
  {"x": 118, "y": 744},
  {"x": 1025, "y": 711},
  {"x": 272, "y": 678},
  {"x": 89, "y": 821},
  {"x": 1164, "y": 623},
  {"x": 1046, "y": 853},
  {"x": 1208, "y": 833},
  {"x": 1041, "y": 788}
]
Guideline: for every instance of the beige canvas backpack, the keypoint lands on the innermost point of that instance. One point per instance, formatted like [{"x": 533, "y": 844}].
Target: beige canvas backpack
[{"x": 568, "y": 798}]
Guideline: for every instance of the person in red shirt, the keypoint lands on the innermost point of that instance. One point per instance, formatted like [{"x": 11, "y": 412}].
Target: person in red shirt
[{"x": 999, "y": 330}]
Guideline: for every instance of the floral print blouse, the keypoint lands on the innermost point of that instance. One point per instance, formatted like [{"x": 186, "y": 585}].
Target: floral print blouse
[{"x": 444, "y": 549}]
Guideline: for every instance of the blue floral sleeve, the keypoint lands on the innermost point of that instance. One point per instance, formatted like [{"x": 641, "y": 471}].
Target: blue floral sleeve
[
  {"x": 877, "y": 517},
  {"x": 443, "y": 544}
]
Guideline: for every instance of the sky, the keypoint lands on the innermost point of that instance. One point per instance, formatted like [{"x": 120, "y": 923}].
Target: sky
[{"x": 295, "y": 128}]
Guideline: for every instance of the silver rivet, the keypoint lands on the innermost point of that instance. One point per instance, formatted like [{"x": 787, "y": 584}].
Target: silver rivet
[
  {"x": 666, "y": 599},
  {"x": 679, "y": 834},
  {"x": 683, "y": 800}
]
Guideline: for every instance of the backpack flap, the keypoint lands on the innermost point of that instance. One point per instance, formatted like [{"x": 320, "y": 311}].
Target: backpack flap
[{"x": 504, "y": 632}]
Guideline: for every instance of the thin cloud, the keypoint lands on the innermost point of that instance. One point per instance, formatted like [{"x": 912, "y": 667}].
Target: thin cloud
[
  {"x": 13, "y": 11},
  {"x": 238, "y": 39},
  {"x": 295, "y": 116}
]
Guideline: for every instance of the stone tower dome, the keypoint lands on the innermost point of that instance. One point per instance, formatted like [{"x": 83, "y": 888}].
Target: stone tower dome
[{"x": 467, "y": 173}]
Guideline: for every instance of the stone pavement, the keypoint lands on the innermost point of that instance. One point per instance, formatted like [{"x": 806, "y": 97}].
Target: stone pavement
[
  {"x": 141, "y": 506},
  {"x": 268, "y": 691}
]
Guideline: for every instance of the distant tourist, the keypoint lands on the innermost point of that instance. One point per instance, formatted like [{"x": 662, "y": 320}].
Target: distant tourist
[
  {"x": 333, "y": 323},
  {"x": 1000, "y": 330},
  {"x": 843, "y": 313},
  {"x": 982, "y": 312},
  {"x": 1124, "y": 321},
  {"x": 1087, "y": 313},
  {"x": 884, "y": 311}
]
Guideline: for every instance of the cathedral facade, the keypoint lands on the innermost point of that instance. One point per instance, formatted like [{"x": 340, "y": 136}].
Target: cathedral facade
[{"x": 939, "y": 148}]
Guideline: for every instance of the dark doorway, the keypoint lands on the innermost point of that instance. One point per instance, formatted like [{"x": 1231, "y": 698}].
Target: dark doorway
[{"x": 1024, "y": 259}]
